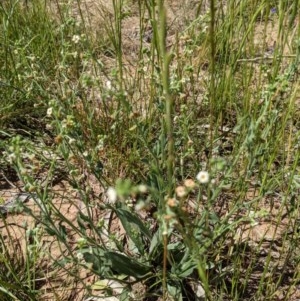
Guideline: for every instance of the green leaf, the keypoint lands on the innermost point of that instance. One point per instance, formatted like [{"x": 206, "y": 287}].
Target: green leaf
[
  {"x": 101, "y": 285},
  {"x": 175, "y": 291},
  {"x": 129, "y": 217},
  {"x": 175, "y": 246},
  {"x": 62, "y": 262},
  {"x": 84, "y": 217},
  {"x": 219, "y": 163},
  {"x": 7, "y": 292},
  {"x": 133, "y": 227},
  {"x": 80, "y": 221},
  {"x": 50, "y": 231},
  {"x": 100, "y": 265},
  {"x": 63, "y": 231},
  {"x": 155, "y": 244},
  {"x": 108, "y": 263},
  {"x": 125, "y": 295},
  {"x": 128, "y": 266},
  {"x": 187, "y": 268}
]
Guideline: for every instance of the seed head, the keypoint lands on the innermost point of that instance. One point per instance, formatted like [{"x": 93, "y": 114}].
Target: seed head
[
  {"x": 189, "y": 183},
  {"x": 180, "y": 191},
  {"x": 171, "y": 202}
]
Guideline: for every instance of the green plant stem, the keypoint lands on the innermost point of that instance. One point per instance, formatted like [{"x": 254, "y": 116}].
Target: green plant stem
[
  {"x": 165, "y": 256},
  {"x": 118, "y": 4},
  {"x": 165, "y": 76},
  {"x": 212, "y": 71},
  {"x": 166, "y": 59}
]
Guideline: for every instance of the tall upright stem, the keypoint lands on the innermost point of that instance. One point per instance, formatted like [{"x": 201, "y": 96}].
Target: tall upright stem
[
  {"x": 165, "y": 59},
  {"x": 212, "y": 71},
  {"x": 165, "y": 76}
]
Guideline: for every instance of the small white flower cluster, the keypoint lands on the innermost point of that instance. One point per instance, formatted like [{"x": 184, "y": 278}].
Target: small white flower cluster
[
  {"x": 112, "y": 196},
  {"x": 181, "y": 191},
  {"x": 11, "y": 158},
  {"x": 76, "y": 39}
]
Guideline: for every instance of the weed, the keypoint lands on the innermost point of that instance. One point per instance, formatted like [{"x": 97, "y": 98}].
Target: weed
[{"x": 175, "y": 140}]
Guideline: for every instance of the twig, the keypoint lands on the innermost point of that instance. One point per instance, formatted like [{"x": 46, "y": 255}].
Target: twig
[{"x": 260, "y": 58}]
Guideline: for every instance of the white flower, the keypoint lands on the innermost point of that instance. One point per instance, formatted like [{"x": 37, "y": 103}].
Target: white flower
[
  {"x": 108, "y": 85},
  {"x": 142, "y": 188},
  {"x": 76, "y": 38},
  {"x": 203, "y": 177},
  {"x": 49, "y": 127},
  {"x": 112, "y": 195},
  {"x": 79, "y": 256},
  {"x": 140, "y": 205},
  {"x": 49, "y": 111}
]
